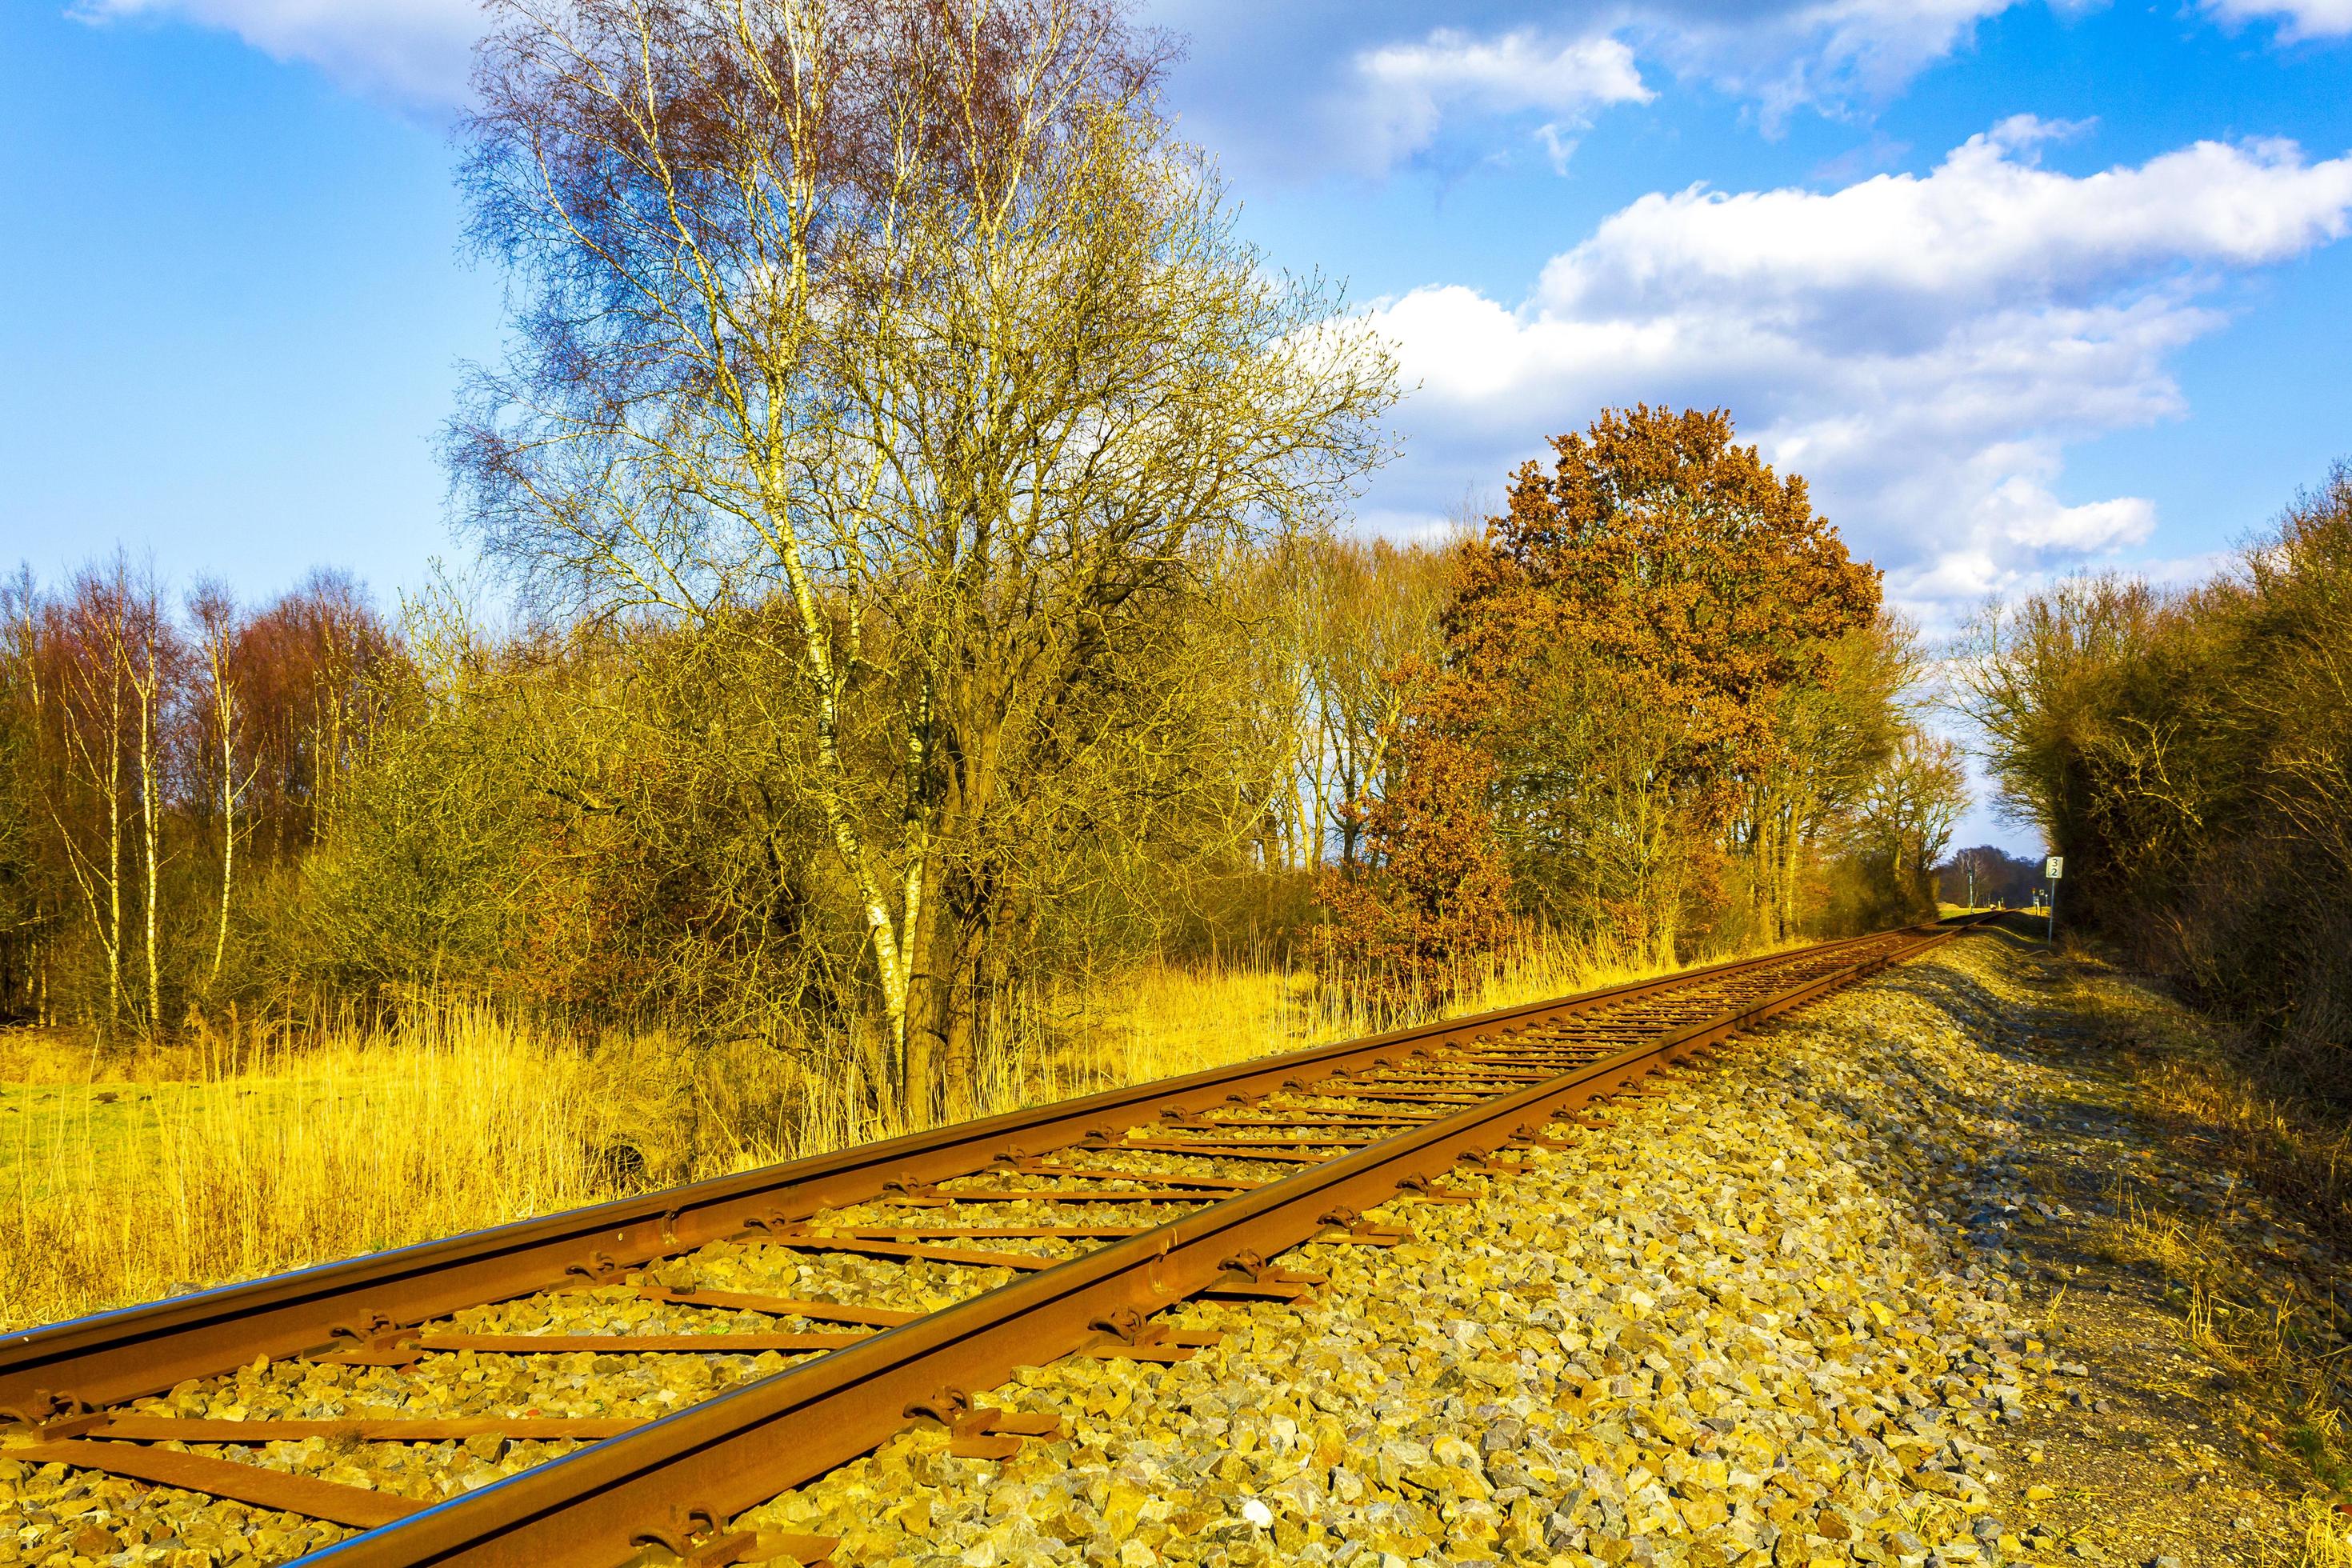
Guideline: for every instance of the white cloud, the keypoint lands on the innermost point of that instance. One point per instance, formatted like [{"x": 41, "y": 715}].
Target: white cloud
[
  {"x": 1923, "y": 348},
  {"x": 1398, "y": 98},
  {"x": 1985, "y": 225},
  {"x": 2297, "y": 19},
  {"x": 414, "y": 51},
  {"x": 1827, "y": 54},
  {"x": 2023, "y": 512},
  {"x": 1557, "y": 149},
  {"x": 1400, "y": 93}
]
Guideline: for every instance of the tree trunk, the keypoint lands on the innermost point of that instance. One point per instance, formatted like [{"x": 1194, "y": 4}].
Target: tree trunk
[
  {"x": 224, "y": 709},
  {"x": 114, "y": 849},
  {"x": 942, "y": 1003},
  {"x": 919, "y": 1076},
  {"x": 965, "y": 994},
  {"x": 148, "y": 698},
  {"x": 1788, "y": 848}
]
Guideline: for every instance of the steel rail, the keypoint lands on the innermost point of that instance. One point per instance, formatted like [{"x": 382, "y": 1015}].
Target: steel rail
[
  {"x": 109, "y": 1357},
  {"x": 679, "y": 1480}
]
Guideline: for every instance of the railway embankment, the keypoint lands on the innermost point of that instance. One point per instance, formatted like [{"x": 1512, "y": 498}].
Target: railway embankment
[
  {"x": 1862, "y": 1289},
  {"x": 1897, "y": 1279}
]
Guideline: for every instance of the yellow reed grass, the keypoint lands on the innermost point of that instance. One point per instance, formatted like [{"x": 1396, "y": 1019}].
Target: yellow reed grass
[{"x": 355, "y": 1145}]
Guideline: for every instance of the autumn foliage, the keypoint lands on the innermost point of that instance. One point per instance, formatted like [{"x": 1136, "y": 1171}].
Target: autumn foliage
[
  {"x": 1438, "y": 891},
  {"x": 1617, "y": 654},
  {"x": 1689, "y": 575}
]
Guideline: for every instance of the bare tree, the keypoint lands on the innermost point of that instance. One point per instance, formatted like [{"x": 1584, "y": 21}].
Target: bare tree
[
  {"x": 1906, "y": 815},
  {"x": 105, "y": 662},
  {"x": 1374, "y": 622},
  {"x": 908, "y": 320},
  {"x": 219, "y": 743}
]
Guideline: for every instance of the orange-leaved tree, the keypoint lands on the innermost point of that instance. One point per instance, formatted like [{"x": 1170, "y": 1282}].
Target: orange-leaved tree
[
  {"x": 1431, "y": 891},
  {"x": 1613, "y": 655}
]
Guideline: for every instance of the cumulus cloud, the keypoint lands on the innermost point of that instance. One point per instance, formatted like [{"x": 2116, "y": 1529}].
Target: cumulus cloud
[
  {"x": 1832, "y": 55},
  {"x": 1922, "y": 347},
  {"x": 1402, "y": 92},
  {"x": 1397, "y": 98},
  {"x": 2297, "y": 19},
  {"x": 1911, "y": 253},
  {"x": 413, "y": 51}
]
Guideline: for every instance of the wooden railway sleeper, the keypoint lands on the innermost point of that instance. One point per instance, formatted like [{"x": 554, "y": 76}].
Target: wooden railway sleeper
[
  {"x": 1034, "y": 1167},
  {"x": 363, "y": 1508},
  {"x": 66, "y": 1417}
]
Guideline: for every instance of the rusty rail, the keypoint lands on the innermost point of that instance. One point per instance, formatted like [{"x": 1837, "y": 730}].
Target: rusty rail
[{"x": 676, "y": 1481}]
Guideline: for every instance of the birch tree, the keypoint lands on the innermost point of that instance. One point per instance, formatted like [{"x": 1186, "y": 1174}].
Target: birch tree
[
  {"x": 1377, "y": 612},
  {"x": 911, "y": 319},
  {"x": 104, "y": 663},
  {"x": 217, "y": 743}
]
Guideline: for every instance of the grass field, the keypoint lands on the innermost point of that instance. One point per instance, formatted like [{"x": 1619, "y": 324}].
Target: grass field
[{"x": 125, "y": 1179}]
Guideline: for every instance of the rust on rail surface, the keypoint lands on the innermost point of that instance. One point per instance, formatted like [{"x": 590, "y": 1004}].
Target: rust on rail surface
[{"x": 1445, "y": 1093}]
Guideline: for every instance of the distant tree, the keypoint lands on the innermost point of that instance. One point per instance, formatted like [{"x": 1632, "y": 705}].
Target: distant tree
[
  {"x": 1432, "y": 893},
  {"x": 105, "y": 667},
  {"x": 35, "y": 895},
  {"x": 219, "y": 772},
  {"x": 309, "y": 665},
  {"x": 1989, "y": 873},
  {"x": 1838, "y": 728},
  {"x": 1906, "y": 815},
  {"x": 1371, "y": 612}
]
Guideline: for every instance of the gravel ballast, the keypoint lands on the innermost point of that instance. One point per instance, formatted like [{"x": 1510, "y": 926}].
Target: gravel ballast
[{"x": 1733, "y": 1326}]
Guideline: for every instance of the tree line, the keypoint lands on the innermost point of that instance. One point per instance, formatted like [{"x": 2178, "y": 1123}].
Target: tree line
[
  {"x": 2184, "y": 749},
  {"x": 924, "y": 521},
  {"x": 1987, "y": 875},
  {"x": 164, "y": 767},
  {"x": 209, "y": 805}
]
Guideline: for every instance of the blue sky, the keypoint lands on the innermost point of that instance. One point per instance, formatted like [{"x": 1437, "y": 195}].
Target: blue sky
[{"x": 2021, "y": 287}]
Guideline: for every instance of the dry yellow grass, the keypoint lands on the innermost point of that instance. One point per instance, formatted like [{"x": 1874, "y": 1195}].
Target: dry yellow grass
[
  {"x": 2270, "y": 1315},
  {"x": 2326, "y": 1535},
  {"x": 122, "y": 1182}
]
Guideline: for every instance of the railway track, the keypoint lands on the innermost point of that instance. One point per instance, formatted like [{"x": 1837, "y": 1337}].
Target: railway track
[{"x": 823, "y": 1305}]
